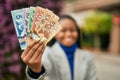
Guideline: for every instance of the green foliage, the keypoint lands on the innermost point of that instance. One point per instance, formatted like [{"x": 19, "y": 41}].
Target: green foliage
[{"x": 98, "y": 22}]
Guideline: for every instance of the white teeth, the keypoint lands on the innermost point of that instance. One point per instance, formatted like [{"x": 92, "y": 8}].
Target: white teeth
[{"x": 68, "y": 39}]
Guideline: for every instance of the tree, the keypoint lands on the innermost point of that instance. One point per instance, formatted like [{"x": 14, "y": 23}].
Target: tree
[{"x": 98, "y": 24}]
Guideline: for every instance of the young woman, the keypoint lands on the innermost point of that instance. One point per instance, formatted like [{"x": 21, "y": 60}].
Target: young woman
[{"x": 62, "y": 61}]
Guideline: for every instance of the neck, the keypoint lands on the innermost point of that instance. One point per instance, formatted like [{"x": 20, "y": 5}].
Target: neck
[{"x": 70, "y": 49}]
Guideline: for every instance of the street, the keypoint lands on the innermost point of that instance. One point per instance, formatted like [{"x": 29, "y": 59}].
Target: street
[{"x": 108, "y": 66}]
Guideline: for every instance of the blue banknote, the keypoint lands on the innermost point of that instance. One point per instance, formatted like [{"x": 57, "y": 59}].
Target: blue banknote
[{"x": 18, "y": 20}]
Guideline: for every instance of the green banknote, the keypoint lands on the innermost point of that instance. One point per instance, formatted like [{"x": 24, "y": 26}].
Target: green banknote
[{"x": 31, "y": 17}]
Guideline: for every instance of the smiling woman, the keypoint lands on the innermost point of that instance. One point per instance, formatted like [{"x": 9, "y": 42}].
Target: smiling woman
[
  {"x": 68, "y": 35},
  {"x": 70, "y": 27},
  {"x": 64, "y": 60}
]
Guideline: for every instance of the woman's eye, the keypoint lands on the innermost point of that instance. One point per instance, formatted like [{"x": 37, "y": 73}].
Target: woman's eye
[
  {"x": 73, "y": 30},
  {"x": 63, "y": 30}
]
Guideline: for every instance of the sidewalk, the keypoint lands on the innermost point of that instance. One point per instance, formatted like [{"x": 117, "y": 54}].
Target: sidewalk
[{"x": 108, "y": 66}]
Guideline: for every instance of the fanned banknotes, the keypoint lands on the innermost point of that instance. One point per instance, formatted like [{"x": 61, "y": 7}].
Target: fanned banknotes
[{"x": 35, "y": 22}]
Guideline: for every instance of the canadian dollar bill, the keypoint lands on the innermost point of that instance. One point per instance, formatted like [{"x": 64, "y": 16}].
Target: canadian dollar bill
[
  {"x": 18, "y": 20},
  {"x": 31, "y": 17},
  {"x": 26, "y": 15}
]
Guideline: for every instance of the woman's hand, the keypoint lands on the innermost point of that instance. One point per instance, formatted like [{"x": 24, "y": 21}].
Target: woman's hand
[{"x": 32, "y": 55}]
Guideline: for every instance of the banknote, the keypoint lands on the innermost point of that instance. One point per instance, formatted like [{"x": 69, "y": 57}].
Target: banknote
[
  {"x": 37, "y": 18},
  {"x": 18, "y": 20},
  {"x": 31, "y": 17},
  {"x": 26, "y": 13}
]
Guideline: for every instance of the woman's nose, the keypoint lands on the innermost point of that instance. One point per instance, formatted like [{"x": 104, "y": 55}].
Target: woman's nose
[{"x": 68, "y": 33}]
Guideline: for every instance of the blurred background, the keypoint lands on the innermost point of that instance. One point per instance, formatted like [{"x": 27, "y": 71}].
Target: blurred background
[{"x": 98, "y": 20}]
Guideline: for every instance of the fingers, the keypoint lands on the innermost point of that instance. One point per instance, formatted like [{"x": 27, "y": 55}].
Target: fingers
[
  {"x": 38, "y": 51},
  {"x": 28, "y": 48},
  {"x": 32, "y": 51},
  {"x": 38, "y": 58}
]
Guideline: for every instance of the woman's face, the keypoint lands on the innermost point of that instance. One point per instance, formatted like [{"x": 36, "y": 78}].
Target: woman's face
[{"x": 68, "y": 35}]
